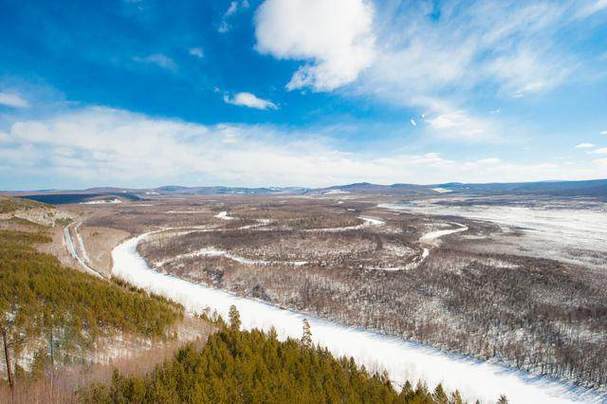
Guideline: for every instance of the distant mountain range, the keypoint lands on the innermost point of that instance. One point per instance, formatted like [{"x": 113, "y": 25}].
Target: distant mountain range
[{"x": 588, "y": 188}]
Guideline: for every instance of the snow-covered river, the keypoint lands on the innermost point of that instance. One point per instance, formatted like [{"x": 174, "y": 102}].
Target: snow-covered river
[{"x": 403, "y": 360}]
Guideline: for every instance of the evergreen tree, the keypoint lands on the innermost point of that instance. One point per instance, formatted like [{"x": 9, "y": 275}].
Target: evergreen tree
[
  {"x": 439, "y": 395},
  {"x": 502, "y": 400},
  {"x": 234, "y": 316},
  {"x": 456, "y": 398},
  {"x": 306, "y": 338}
]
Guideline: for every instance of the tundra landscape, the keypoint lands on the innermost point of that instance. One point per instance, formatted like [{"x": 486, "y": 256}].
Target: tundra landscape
[
  {"x": 509, "y": 280},
  {"x": 303, "y": 201}
]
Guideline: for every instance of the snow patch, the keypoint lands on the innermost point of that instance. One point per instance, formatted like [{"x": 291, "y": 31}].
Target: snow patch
[
  {"x": 102, "y": 202},
  {"x": 224, "y": 215}
]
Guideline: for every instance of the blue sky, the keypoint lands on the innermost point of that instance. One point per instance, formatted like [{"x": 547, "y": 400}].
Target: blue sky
[{"x": 300, "y": 92}]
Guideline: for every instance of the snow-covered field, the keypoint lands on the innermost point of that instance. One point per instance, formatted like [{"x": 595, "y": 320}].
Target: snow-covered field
[
  {"x": 403, "y": 360},
  {"x": 547, "y": 232},
  {"x": 102, "y": 202}
]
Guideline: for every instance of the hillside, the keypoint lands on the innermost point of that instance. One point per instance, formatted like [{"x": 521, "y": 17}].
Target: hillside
[
  {"x": 253, "y": 367},
  {"x": 53, "y": 316}
]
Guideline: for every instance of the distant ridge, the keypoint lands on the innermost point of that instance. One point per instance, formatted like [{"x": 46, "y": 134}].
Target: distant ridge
[{"x": 584, "y": 188}]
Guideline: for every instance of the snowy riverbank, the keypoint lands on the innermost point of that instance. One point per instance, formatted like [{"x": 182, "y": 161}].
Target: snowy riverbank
[{"x": 403, "y": 360}]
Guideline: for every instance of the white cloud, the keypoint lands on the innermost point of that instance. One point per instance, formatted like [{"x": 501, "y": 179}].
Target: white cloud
[
  {"x": 13, "y": 100},
  {"x": 334, "y": 38},
  {"x": 101, "y": 145},
  {"x": 602, "y": 150},
  {"x": 4, "y": 137},
  {"x": 509, "y": 46},
  {"x": 412, "y": 122},
  {"x": 233, "y": 8},
  {"x": 250, "y": 100},
  {"x": 446, "y": 121},
  {"x": 196, "y": 52},
  {"x": 159, "y": 60},
  {"x": 591, "y": 7},
  {"x": 604, "y": 132},
  {"x": 584, "y": 146}
]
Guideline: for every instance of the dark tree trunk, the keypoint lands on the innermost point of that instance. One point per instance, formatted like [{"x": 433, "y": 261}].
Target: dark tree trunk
[{"x": 7, "y": 358}]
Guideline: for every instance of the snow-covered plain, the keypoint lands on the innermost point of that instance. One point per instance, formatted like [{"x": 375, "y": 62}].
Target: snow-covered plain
[
  {"x": 403, "y": 360},
  {"x": 557, "y": 233}
]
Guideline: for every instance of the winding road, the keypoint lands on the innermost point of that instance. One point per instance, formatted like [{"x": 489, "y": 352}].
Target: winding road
[{"x": 71, "y": 248}]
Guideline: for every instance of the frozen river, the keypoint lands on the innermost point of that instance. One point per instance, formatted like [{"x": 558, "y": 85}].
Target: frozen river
[{"x": 403, "y": 360}]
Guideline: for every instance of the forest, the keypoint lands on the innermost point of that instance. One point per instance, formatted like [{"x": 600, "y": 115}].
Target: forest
[
  {"x": 537, "y": 314},
  {"x": 52, "y": 315},
  {"x": 254, "y": 367}
]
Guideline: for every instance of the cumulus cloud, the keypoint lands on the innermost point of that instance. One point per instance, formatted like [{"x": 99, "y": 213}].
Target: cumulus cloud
[
  {"x": 249, "y": 100},
  {"x": 13, "y": 100},
  {"x": 158, "y": 59},
  {"x": 334, "y": 38},
  {"x": 105, "y": 145},
  {"x": 584, "y": 146}
]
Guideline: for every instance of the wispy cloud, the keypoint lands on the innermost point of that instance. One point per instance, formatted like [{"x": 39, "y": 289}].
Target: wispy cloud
[
  {"x": 13, "y": 100},
  {"x": 584, "y": 146},
  {"x": 233, "y": 8},
  {"x": 591, "y": 7},
  {"x": 424, "y": 56},
  {"x": 245, "y": 99},
  {"x": 158, "y": 59},
  {"x": 96, "y": 145}
]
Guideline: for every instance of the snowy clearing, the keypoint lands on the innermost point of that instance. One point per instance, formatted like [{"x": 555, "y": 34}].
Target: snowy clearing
[
  {"x": 402, "y": 359},
  {"x": 224, "y": 215}
]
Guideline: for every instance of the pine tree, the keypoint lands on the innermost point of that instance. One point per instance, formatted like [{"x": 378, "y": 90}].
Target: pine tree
[
  {"x": 306, "y": 338},
  {"x": 456, "y": 397},
  {"x": 234, "y": 318},
  {"x": 439, "y": 395},
  {"x": 502, "y": 400}
]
